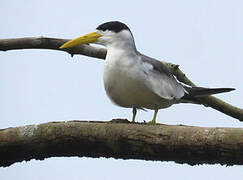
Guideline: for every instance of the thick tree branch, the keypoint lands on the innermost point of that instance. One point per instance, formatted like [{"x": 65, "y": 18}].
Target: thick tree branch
[
  {"x": 54, "y": 44},
  {"x": 182, "y": 144}
]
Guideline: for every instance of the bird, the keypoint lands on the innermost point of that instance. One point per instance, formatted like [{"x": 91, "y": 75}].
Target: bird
[{"x": 134, "y": 80}]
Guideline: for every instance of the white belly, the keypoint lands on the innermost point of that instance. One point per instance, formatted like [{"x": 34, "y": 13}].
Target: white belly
[{"x": 125, "y": 86}]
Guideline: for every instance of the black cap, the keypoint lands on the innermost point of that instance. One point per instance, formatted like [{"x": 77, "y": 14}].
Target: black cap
[{"x": 114, "y": 26}]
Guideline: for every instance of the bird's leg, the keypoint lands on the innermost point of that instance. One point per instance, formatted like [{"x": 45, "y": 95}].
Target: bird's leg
[
  {"x": 154, "y": 117},
  {"x": 134, "y": 112}
]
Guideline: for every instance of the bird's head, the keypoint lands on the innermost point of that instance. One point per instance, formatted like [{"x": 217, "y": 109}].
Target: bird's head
[{"x": 109, "y": 34}]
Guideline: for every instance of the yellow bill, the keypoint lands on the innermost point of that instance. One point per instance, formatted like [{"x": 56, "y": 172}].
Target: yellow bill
[{"x": 88, "y": 38}]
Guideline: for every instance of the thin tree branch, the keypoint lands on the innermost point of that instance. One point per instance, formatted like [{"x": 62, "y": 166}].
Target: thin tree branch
[
  {"x": 182, "y": 144},
  {"x": 209, "y": 101},
  {"x": 87, "y": 50},
  {"x": 50, "y": 43}
]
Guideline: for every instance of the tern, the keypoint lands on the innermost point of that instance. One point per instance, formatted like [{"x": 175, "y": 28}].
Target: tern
[{"x": 134, "y": 80}]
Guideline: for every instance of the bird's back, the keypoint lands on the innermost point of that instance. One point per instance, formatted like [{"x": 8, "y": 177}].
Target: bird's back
[{"x": 160, "y": 79}]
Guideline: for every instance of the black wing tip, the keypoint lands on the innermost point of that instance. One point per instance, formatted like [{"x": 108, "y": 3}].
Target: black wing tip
[
  {"x": 200, "y": 91},
  {"x": 195, "y": 93},
  {"x": 229, "y": 89}
]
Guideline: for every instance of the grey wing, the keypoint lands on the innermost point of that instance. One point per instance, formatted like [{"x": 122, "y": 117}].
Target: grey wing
[{"x": 160, "y": 80}]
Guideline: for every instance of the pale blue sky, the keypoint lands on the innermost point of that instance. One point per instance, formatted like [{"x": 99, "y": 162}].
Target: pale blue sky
[{"x": 37, "y": 86}]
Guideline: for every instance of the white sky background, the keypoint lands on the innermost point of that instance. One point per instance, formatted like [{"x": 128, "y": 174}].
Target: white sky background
[{"x": 37, "y": 86}]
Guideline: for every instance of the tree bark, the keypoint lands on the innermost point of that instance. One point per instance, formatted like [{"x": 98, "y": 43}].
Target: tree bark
[
  {"x": 123, "y": 140},
  {"x": 100, "y": 53}
]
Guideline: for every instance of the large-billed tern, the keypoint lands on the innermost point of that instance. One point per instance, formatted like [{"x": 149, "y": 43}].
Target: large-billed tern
[{"x": 133, "y": 80}]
